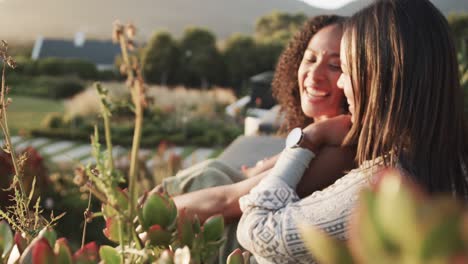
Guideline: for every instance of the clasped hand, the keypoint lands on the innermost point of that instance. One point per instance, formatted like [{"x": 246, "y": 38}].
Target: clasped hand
[{"x": 328, "y": 132}]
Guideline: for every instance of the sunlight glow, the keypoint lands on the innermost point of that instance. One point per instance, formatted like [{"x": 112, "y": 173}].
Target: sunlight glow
[{"x": 328, "y": 4}]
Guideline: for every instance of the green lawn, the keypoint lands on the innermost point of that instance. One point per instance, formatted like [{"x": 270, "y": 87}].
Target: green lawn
[{"x": 27, "y": 112}]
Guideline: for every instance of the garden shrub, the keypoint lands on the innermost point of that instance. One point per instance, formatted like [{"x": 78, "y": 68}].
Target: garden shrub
[
  {"x": 52, "y": 120},
  {"x": 50, "y": 66},
  {"x": 200, "y": 132},
  {"x": 81, "y": 68},
  {"x": 66, "y": 88},
  {"x": 46, "y": 86},
  {"x": 26, "y": 66},
  {"x": 76, "y": 121},
  {"x": 61, "y": 133},
  {"x": 56, "y": 67}
]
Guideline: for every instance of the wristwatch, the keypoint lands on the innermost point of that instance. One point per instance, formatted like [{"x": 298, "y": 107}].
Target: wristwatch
[{"x": 296, "y": 139}]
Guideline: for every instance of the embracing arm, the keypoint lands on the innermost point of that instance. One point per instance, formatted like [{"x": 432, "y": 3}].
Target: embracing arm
[
  {"x": 260, "y": 167},
  {"x": 268, "y": 225},
  {"x": 330, "y": 164},
  {"x": 217, "y": 200},
  {"x": 225, "y": 199},
  {"x": 271, "y": 211}
]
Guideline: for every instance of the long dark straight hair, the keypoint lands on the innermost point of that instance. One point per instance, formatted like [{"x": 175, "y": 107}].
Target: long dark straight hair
[{"x": 409, "y": 103}]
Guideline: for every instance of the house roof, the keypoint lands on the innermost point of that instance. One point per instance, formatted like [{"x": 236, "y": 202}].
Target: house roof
[{"x": 98, "y": 52}]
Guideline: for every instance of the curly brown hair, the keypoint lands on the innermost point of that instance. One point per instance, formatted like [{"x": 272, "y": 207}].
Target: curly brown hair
[{"x": 284, "y": 85}]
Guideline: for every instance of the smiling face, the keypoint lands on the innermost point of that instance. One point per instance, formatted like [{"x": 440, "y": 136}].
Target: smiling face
[
  {"x": 318, "y": 74},
  {"x": 344, "y": 82}
]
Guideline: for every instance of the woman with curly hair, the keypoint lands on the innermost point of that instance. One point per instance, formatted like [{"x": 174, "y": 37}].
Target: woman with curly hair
[
  {"x": 290, "y": 81},
  {"x": 305, "y": 85},
  {"x": 286, "y": 83}
]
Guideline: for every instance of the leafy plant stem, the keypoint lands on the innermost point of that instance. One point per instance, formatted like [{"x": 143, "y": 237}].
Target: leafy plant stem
[
  {"x": 5, "y": 216},
  {"x": 6, "y": 132},
  {"x": 105, "y": 116},
  {"x": 136, "y": 92},
  {"x": 83, "y": 238},
  {"x": 134, "y": 155},
  {"x": 121, "y": 240}
]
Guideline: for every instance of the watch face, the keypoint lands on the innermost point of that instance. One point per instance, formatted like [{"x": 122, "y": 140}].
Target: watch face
[{"x": 294, "y": 137}]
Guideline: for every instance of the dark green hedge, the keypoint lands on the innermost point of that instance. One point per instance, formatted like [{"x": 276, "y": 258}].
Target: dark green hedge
[
  {"x": 45, "y": 86},
  {"x": 198, "y": 132}
]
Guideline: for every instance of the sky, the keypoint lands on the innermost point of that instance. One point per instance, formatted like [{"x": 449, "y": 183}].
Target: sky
[
  {"x": 327, "y": 4},
  {"x": 24, "y": 20}
]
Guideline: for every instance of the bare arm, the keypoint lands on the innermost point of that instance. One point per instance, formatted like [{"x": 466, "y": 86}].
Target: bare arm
[
  {"x": 217, "y": 200},
  {"x": 260, "y": 167},
  {"x": 329, "y": 165}
]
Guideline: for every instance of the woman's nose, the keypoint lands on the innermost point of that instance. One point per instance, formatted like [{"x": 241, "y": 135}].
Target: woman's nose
[
  {"x": 317, "y": 72},
  {"x": 339, "y": 82}
]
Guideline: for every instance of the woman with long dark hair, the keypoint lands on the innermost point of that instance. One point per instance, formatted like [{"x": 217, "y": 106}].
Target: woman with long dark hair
[{"x": 401, "y": 82}]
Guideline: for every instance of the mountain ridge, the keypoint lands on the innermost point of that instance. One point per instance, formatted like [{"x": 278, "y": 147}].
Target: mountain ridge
[{"x": 62, "y": 19}]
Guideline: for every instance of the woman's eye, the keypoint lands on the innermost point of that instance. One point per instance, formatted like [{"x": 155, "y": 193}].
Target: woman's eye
[
  {"x": 311, "y": 59},
  {"x": 335, "y": 67}
]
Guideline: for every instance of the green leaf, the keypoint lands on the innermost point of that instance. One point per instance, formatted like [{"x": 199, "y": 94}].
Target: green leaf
[
  {"x": 324, "y": 248},
  {"x": 63, "y": 251},
  {"x": 196, "y": 225},
  {"x": 185, "y": 231},
  {"x": 158, "y": 236},
  {"x": 213, "y": 228},
  {"x": 112, "y": 230},
  {"x": 397, "y": 214},
  {"x": 235, "y": 257},
  {"x": 444, "y": 240},
  {"x": 122, "y": 203},
  {"x": 49, "y": 234},
  {"x": 367, "y": 241},
  {"x": 158, "y": 209},
  {"x": 110, "y": 255},
  {"x": 6, "y": 239}
]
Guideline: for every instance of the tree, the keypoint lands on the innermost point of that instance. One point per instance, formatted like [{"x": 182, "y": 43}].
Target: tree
[
  {"x": 459, "y": 25},
  {"x": 268, "y": 54},
  {"x": 160, "y": 59},
  {"x": 201, "y": 62},
  {"x": 278, "y": 27},
  {"x": 240, "y": 56}
]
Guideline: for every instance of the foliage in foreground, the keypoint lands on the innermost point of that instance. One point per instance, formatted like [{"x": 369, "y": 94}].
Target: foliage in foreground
[
  {"x": 144, "y": 230},
  {"x": 397, "y": 223}
]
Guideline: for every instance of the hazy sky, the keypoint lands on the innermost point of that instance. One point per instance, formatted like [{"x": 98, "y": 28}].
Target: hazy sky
[
  {"x": 27, "y": 19},
  {"x": 24, "y": 20},
  {"x": 327, "y": 4}
]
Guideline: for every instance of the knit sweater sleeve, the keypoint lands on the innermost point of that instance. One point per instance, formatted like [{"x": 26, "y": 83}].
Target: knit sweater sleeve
[{"x": 271, "y": 211}]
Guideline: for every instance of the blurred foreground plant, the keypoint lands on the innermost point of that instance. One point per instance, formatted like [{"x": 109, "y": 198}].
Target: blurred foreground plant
[
  {"x": 21, "y": 215},
  {"x": 144, "y": 231},
  {"x": 397, "y": 223}
]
